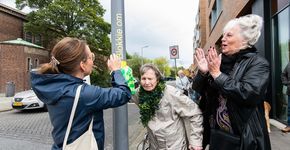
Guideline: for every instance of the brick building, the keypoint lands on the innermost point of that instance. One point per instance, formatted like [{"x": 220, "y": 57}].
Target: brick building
[
  {"x": 17, "y": 56},
  {"x": 273, "y": 44}
]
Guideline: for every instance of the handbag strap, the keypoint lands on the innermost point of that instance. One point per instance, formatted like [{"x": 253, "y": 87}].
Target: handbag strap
[{"x": 72, "y": 115}]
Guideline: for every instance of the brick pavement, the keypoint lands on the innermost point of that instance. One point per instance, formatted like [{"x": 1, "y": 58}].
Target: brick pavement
[
  {"x": 33, "y": 127},
  {"x": 14, "y": 144},
  {"x": 30, "y": 126}
]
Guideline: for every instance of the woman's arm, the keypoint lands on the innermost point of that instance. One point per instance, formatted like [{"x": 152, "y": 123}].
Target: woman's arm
[
  {"x": 192, "y": 117},
  {"x": 97, "y": 98},
  {"x": 250, "y": 87},
  {"x": 135, "y": 97},
  {"x": 199, "y": 82}
]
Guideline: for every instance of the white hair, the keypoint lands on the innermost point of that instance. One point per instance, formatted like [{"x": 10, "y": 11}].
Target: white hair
[{"x": 250, "y": 26}]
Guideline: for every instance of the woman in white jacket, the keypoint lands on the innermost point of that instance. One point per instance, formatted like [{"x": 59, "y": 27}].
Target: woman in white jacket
[
  {"x": 173, "y": 120},
  {"x": 182, "y": 83}
]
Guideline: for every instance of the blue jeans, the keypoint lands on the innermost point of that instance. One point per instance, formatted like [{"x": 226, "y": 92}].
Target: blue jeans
[{"x": 288, "y": 120}]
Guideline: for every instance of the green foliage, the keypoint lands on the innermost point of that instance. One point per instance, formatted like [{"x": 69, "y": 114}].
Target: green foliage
[
  {"x": 173, "y": 72},
  {"x": 163, "y": 65},
  {"x": 128, "y": 56},
  {"x": 134, "y": 63},
  {"x": 180, "y": 68},
  {"x": 75, "y": 18},
  {"x": 32, "y": 3},
  {"x": 101, "y": 78},
  {"x": 167, "y": 71},
  {"x": 55, "y": 19}
]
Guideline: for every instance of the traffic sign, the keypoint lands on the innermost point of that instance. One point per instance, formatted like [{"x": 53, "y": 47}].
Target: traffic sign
[{"x": 174, "y": 52}]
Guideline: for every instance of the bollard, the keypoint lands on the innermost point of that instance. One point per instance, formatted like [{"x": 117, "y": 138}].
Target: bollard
[{"x": 10, "y": 89}]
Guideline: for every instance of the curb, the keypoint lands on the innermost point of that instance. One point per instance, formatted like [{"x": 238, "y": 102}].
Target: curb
[
  {"x": 8, "y": 109},
  {"x": 277, "y": 124}
]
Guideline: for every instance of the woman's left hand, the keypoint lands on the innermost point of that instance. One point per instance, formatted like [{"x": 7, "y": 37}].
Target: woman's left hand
[
  {"x": 214, "y": 62},
  {"x": 190, "y": 147}
]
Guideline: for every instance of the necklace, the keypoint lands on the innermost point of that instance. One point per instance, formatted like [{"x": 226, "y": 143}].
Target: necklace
[{"x": 149, "y": 102}]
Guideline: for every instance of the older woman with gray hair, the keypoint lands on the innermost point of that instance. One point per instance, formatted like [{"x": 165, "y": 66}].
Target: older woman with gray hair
[
  {"x": 173, "y": 120},
  {"x": 233, "y": 86}
]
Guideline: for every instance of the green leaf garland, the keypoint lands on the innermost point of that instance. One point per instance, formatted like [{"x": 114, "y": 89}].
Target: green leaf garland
[{"x": 149, "y": 102}]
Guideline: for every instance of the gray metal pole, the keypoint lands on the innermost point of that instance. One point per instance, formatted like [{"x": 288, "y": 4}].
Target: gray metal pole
[
  {"x": 175, "y": 67},
  {"x": 120, "y": 114},
  {"x": 142, "y": 55}
]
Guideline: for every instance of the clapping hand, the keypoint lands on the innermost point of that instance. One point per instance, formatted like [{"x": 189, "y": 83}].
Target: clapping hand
[
  {"x": 214, "y": 62},
  {"x": 201, "y": 61}
]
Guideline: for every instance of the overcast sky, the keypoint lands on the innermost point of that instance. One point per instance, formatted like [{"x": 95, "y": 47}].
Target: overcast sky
[{"x": 158, "y": 24}]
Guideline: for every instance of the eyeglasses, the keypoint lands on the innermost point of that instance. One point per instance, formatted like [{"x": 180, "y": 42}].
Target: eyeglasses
[{"x": 92, "y": 57}]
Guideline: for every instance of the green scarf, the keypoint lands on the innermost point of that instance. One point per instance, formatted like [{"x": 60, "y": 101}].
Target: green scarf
[{"x": 149, "y": 102}]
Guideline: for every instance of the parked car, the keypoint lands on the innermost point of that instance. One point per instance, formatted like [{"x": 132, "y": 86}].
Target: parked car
[
  {"x": 169, "y": 78},
  {"x": 27, "y": 100}
]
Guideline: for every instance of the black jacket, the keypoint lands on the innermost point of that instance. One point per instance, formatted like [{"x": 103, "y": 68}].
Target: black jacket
[{"x": 244, "y": 88}]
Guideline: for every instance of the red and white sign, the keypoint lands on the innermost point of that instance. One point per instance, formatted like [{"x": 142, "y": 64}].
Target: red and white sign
[{"x": 174, "y": 52}]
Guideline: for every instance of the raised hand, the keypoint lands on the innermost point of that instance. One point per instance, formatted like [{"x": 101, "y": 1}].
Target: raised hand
[
  {"x": 214, "y": 62},
  {"x": 114, "y": 62},
  {"x": 201, "y": 61}
]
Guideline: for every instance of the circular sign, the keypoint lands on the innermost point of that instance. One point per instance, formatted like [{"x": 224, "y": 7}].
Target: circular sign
[{"x": 173, "y": 51}]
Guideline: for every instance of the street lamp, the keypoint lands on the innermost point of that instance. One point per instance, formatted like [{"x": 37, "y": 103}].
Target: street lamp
[{"x": 142, "y": 53}]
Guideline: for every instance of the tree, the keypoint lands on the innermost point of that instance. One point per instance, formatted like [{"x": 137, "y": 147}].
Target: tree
[
  {"x": 134, "y": 62},
  {"x": 163, "y": 65},
  {"x": 172, "y": 72},
  {"x": 55, "y": 19}
]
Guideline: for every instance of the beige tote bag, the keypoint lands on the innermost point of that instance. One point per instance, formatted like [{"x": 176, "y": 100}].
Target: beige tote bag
[{"x": 87, "y": 140}]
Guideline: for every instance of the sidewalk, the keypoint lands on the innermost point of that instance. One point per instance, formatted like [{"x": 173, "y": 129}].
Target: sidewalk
[
  {"x": 279, "y": 140},
  {"x": 5, "y": 103}
]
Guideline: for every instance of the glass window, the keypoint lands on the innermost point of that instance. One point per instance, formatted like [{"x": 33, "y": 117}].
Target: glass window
[
  {"x": 36, "y": 63},
  {"x": 277, "y": 5},
  {"x": 28, "y": 64},
  {"x": 28, "y": 37},
  {"x": 215, "y": 12},
  {"x": 280, "y": 24},
  {"x": 37, "y": 40},
  {"x": 218, "y": 7},
  {"x": 213, "y": 16}
]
